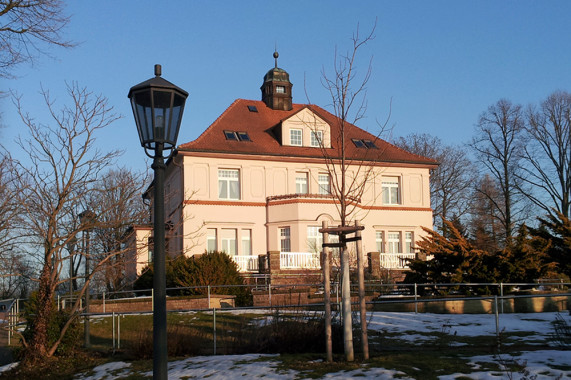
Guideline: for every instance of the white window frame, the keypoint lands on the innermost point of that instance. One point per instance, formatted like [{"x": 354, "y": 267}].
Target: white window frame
[
  {"x": 301, "y": 183},
  {"x": 379, "y": 241},
  {"x": 285, "y": 239},
  {"x": 227, "y": 180},
  {"x": 314, "y": 239},
  {"x": 296, "y": 137},
  {"x": 316, "y": 139},
  {"x": 211, "y": 239},
  {"x": 394, "y": 242},
  {"x": 246, "y": 239},
  {"x": 324, "y": 182},
  {"x": 229, "y": 243},
  {"x": 408, "y": 242},
  {"x": 391, "y": 190},
  {"x": 280, "y": 90}
]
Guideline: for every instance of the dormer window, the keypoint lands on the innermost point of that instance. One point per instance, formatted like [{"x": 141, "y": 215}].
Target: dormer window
[
  {"x": 296, "y": 137},
  {"x": 316, "y": 138}
]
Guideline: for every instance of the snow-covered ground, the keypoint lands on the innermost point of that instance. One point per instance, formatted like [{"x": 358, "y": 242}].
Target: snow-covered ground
[{"x": 544, "y": 364}]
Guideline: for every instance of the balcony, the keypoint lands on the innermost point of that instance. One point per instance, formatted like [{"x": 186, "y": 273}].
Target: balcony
[
  {"x": 247, "y": 263},
  {"x": 396, "y": 260},
  {"x": 299, "y": 260},
  {"x": 309, "y": 260}
]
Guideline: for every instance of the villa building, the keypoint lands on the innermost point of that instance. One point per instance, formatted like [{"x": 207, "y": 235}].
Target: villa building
[{"x": 262, "y": 178}]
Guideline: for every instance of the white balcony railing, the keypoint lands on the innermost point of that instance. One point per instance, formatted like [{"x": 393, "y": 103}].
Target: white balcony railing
[
  {"x": 247, "y": 263},
  {"x": 299, "y": 260},
  {"x": 396, "y": 260},
  {"x": 309, "y": 260}
]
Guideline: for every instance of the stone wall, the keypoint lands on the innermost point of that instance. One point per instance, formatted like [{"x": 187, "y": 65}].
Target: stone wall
[{"x": 173, "y": 303}]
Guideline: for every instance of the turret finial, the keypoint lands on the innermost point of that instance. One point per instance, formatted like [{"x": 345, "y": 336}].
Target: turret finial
[{"x": 276, "y": 55}]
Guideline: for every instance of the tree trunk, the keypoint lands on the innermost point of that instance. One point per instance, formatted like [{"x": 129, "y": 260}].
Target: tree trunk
[{"x": 37, "y": 349}]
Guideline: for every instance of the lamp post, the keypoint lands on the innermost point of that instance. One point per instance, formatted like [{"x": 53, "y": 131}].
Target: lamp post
[
  {"x": 86, "y": 219},
  {"x": 158, "y": 106}
]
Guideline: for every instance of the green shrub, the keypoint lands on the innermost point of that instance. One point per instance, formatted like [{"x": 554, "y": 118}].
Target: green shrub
[{"x": 196, "y": 273}]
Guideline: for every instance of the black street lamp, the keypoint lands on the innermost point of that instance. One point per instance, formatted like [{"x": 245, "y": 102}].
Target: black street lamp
[{"x": 158, "y": 106}]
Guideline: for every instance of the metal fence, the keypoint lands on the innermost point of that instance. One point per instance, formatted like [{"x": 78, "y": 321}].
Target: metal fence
[{"x": 408, "y": 297}]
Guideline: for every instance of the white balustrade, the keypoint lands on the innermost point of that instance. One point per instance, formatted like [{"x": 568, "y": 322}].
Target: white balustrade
[
  {"x": 246, "y": 263},
  {"x": 297, "y": 260},
  {"x": 396, "y": 260}
]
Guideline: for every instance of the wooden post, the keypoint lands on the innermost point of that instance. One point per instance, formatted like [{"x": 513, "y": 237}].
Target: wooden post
[
  {"x": 362, "y": 301},
  {"x": 346, "y": 301},
  {"x": 326, "y": 257}
]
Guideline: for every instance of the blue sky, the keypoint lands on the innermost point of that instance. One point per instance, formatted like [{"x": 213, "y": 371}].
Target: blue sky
[{"x": 441, "y": 62}]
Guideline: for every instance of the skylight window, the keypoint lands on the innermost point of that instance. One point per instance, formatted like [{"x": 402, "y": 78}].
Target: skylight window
[
  {"x": 243, "y": 136},
  {"x": 367, "y": 144},
  {"x": 237, "y": 136},
  {"x": 370, "y": 144},
  {"x": 231, "y": 135},
  {"x": 252, "y": 109}
]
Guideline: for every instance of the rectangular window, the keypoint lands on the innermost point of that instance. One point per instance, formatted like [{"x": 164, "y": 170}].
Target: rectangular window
[
  {"x": 230, "y": 135},
  {"x": 296, "y": 137},
  {"x": 211, "y": 240},
  {"x": 390, "y": 189},
  {"x": 246, "y": 242},
  {"x": 280, "y": 90},
  {"x": 314, "y": 239},
  {"x": 408, "y": 242},
  {"x": 301, "y": 183},
  {"x": 379, "y": 241},
  {"x": 285, "y": 239},
  {"x": 393, "y": 242},
  {"x": 229, "y": 184},
  {"x": 228, "y": 240},
  {"x": 316, "y": 138},
  {"x": 324, "y": 182}
]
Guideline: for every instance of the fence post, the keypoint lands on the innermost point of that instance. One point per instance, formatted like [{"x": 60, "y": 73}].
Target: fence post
[
  {"x": 118, "y": 331},
  {"x": 104, "y": 301},
  {"x": 209, "y": 296},
  {"x": 497, "y": 319},
  {"x": 502, "y": 295},
  {"x": 270, "y": 293},
  {"x": 214, "y": 327},
  {"x": 113, "y": 328},
  {"x": 415, "y": 299}
]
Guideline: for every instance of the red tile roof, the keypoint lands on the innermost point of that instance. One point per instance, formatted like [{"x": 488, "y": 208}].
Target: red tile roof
[{"x": 261, "y": 126}]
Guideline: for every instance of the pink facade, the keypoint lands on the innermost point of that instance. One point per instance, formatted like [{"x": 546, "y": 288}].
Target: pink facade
[{"x": 262, "y": 178}]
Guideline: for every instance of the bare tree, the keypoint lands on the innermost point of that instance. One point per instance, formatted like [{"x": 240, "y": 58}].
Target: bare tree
[
  {"x": 486, "y": 227},
  {"x": 450, "y": 182},
  {"x": 498, "y": 148},
  {"x": 27, "y": 27},
  {"x": 547, "y": 154},
  {"x": 12, "y": 264},
  {"x": 350, "y": 174},
  {"x": 118, "y": 203},
  {"x": 62, "y": 168}
]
